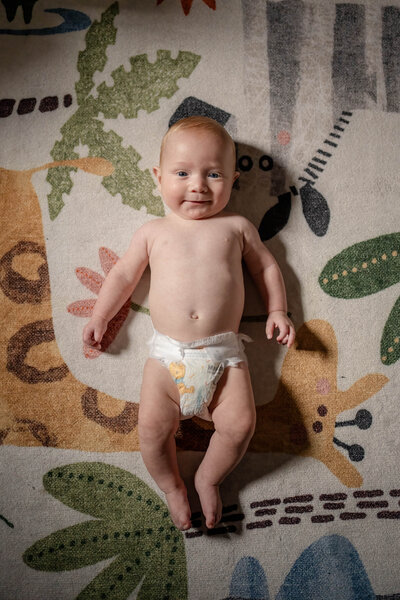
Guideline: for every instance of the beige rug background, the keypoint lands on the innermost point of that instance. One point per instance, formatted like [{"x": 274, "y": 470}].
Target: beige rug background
[{"x": 310, "y": 91}]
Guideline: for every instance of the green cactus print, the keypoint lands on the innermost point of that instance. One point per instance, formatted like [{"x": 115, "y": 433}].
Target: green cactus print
[
  {"x": 131, "y": 523},
  {"x": 364, "y": 269},
  {"x": 140, "y": 88}
]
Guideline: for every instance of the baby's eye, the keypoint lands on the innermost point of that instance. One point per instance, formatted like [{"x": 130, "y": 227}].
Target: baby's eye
[
  {"x": 182, "y": 174},
  {"x": 214, "y": 175}
]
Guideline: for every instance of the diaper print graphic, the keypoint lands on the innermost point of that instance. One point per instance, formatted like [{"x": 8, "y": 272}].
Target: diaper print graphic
[
  {"x": 196, "y": 380},
  {"x": 178, "y": 371}
]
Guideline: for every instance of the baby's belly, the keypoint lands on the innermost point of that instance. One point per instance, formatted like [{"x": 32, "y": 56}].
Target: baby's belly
[{"x": 187, "y": 315}]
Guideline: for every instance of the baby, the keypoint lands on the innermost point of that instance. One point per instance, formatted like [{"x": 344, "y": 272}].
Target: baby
[{"x": 197, "y": 365}]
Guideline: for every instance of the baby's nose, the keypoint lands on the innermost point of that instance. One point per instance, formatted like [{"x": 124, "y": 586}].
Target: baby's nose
[{"x": 199, "y": 183}]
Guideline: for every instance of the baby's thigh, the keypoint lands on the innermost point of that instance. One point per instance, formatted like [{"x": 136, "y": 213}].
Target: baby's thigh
[
  {"x": 159, "y": 396},
  {"x": 233, "y": 403}
]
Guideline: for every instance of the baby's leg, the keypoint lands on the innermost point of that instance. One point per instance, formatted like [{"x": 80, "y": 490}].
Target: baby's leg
[
  {"x": 234, "y": 418},
  {"x": 158, "y": 421}
]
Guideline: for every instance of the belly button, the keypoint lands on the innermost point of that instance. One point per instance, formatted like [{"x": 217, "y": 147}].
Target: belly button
[{"x": 194, "y": 316}]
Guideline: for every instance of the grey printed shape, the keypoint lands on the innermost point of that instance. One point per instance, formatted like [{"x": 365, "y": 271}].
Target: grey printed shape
[
  {"x": 192, "y": 106},
  {"x": 391, "y": 56},
  {"x": 284, "y": 36},
  {"x": 351, "y": 84}
]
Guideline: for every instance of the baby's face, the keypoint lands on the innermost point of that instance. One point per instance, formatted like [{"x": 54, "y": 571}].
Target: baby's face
[{"x": 196, "y": 174}]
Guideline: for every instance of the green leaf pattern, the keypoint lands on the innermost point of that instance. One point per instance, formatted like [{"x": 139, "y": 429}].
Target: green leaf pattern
[
  {"x": 131, "y": 523},
  {"x": 390, "y": 342},
  {"x": 139, "y": 89},
  {"x": 144, "y": 84},
  {"x": 94, "y": 57},
  {"x": 363, "y": 269},
  {"x": 367, "y": 268}
]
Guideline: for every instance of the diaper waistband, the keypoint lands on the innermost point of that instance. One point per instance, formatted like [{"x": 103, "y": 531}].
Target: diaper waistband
[{"x": 226, "y": 347}]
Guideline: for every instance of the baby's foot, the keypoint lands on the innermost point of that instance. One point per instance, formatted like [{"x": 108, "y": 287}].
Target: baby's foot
[
  {"x": 210, "y": 500},
  {"x": 179, "y": 508}
]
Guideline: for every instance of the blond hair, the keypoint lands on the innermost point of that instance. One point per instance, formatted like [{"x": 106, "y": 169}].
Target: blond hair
[{"x": 202, "y": 124}]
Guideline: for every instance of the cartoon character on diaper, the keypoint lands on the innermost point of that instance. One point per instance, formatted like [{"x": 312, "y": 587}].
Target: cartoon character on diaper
[
  {"x": 178, "y": 370},
  {"x": 196, "y": 380}
]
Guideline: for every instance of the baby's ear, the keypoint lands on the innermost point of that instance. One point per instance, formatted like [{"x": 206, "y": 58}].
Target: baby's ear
[
  {"x": 157, "y": 174},
  {"x": 235, "y": 175}
]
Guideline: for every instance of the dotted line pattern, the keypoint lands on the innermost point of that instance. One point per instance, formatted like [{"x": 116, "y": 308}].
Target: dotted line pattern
[
  {"x": 362, "y": 266},
  {"x": 296, "y": 508},
  {"x": 27, "y": 105},
  {"x": 318, "y": 163},
  {"x": 171, "y": 534}
]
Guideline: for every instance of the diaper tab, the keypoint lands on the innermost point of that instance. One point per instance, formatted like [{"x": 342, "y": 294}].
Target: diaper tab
[{"x": 243, "y": 337}]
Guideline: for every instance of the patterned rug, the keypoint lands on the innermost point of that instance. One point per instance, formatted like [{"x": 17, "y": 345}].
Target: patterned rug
[{"x": 310, "y": 92}]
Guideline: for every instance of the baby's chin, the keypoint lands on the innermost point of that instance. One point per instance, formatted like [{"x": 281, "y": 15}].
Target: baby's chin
[{"x": 193, "y": 213}]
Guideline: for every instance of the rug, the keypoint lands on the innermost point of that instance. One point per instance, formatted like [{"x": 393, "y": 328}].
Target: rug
[{"x": 310, "y": 92}]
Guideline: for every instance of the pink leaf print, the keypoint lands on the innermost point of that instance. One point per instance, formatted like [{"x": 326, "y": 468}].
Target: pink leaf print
[
  {"x": 84, "y": 308},
  {"x": 90, "y": 279},
  {"x": 108, "y": 258}
]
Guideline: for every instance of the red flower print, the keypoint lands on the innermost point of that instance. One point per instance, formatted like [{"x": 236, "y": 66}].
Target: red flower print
[
  {"x": 187, "y": 4},
  {"x": 84, "y": 308}
]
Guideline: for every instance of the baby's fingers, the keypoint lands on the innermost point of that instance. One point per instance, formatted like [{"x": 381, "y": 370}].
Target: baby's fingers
[
  {"x": 283, "y": 335},
  {"x": 87, "y": 335},
  {"x": 288, "y": 338},
  {"x": 269, "y": 330},
  {"x": 291, "y": 337},
  {"x": 90, "y": 337}
]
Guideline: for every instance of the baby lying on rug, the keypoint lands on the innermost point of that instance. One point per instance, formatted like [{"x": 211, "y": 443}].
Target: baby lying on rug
[{"x": 197, "y": 365}]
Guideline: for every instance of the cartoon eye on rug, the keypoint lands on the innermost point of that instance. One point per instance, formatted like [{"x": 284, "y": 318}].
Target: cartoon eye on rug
[
  {"x": 367, "y": 268},
  {"x": 130, "y": 524}
]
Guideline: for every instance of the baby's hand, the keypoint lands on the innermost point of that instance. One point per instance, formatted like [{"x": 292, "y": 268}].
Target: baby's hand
[
  {"x": 94, "y": 331},
  {"x": 279, "y": 319}
]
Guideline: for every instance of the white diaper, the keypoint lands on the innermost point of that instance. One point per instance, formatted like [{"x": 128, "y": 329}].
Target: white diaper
[{"x": 196, "y": 367}]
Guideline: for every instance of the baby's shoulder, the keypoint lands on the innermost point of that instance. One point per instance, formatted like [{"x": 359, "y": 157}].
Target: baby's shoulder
[
  {"x": 245, "y": 230},
  {"x": 238, "y": 222},
  {"x": 151, "y": 227},
  {"x": 145, "y": 234}
]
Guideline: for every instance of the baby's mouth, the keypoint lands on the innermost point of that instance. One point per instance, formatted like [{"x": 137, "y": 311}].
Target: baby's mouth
[{"x": 197, "y": 200}]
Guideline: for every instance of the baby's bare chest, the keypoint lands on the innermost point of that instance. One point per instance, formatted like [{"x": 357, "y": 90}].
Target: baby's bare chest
[{"x": 217, "y": 249}]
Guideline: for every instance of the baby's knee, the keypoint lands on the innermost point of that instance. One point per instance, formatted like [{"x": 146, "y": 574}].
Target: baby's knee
[
  {"x": 153, "y": 429},
  {"x": 239, "y": 429}
]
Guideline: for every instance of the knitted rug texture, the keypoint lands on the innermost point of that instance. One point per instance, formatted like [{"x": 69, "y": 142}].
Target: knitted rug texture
[{"x": 310, "y": 92}]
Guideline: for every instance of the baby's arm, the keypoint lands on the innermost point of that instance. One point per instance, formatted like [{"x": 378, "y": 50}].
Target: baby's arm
[
  {"x": 268, "y": 277},
  {"x": 117, "y": 288}
]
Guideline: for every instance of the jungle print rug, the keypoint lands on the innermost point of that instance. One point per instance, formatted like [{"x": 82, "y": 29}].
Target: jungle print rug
[{"x": 310, "y": 92}]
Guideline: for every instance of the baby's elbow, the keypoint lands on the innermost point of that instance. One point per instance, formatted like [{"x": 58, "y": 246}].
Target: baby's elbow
[{"x": 119, "y": 275}]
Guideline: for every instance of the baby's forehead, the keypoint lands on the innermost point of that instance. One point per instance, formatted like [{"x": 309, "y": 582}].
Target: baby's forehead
[
  {"x": 214, "y": 138},
  {"x": 193, "y": 133}
]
